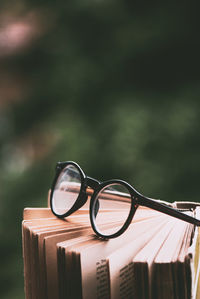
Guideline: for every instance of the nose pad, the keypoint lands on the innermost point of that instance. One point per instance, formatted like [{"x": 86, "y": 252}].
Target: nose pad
[{"x": 96, "y": 208}]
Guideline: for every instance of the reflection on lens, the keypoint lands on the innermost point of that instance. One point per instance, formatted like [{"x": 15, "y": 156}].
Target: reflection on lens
[
  {"x": 111, "y": 208},
  {"x": 66, "y": 190}
]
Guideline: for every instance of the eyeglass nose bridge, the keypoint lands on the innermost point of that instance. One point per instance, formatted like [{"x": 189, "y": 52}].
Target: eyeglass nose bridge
[
  {"x": 89, "y": 186},
  {"x": 92, "y": 183},
  {"x": 87, "y": 192}
]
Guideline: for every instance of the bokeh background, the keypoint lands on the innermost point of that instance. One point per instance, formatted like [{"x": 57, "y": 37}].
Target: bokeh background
[{"x": 112, "y": 85}]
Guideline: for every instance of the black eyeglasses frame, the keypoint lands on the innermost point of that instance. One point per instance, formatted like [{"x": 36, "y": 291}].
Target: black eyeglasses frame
[{"x": 137, "y": 199}]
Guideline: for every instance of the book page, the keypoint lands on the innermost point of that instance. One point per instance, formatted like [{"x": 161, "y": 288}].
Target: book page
[
  {"x": 66, "y": 259},
  {"x": 39, "y": 213},
  {"x": 162, "y": 277},
  {"x": 72, "y": 257},
  {"x": 98, "y": 252},
  {"x": 64, "y": 265},
  {"x": 38, "y": 252},
  {"x": 194, "y": 256},
  {"x": 50, "y": 245},
  {"x": 125, "y": 277},
  {"x": 31, "y": 248}
]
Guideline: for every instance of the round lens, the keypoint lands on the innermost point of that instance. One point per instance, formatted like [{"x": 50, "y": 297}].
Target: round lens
[
  {"x": 66, "y": 190},
  {"x": 111, "y": 209}
]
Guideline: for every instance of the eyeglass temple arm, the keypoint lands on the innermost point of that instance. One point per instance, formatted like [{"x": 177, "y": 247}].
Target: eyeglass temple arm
[{"x": 153, "y": 204}]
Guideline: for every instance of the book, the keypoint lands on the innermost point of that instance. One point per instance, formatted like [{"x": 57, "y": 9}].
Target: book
[{"x": 157, "y": 257}]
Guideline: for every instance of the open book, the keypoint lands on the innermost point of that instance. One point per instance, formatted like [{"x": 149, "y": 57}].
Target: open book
[{"x": 157, "y": 257}]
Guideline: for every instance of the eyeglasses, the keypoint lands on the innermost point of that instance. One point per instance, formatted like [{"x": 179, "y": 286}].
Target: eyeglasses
[{"x": 113, "y": 201}]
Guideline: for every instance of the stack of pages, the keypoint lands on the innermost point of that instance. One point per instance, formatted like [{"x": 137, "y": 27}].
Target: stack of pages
[{"x": 156, "y": 258}]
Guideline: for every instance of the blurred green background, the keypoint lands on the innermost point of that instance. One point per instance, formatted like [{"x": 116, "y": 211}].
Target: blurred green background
[{"x": 112, "y": 85}]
